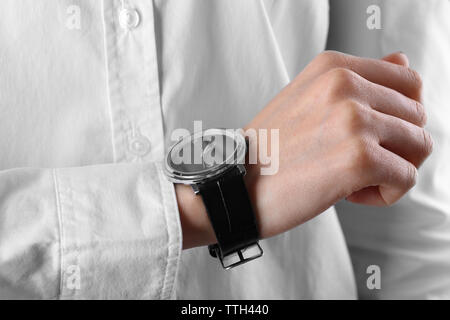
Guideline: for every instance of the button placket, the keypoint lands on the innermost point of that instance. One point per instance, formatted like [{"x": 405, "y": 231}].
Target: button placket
[{"x": 137, "y": 122}]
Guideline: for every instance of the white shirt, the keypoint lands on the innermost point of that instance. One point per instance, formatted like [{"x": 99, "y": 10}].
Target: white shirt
[{"x": 89, "y": 95}]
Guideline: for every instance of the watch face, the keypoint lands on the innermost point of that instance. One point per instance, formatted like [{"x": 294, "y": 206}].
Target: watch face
[{"x": 204, "y": 155}]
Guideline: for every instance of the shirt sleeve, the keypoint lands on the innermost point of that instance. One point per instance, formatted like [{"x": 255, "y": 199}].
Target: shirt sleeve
[{"x": 98, "y": 232}]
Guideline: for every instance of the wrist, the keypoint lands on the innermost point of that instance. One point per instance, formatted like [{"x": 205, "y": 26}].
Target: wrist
[{"x": 196, "y": 226}]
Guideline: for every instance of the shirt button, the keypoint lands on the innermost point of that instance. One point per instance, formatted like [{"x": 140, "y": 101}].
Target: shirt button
[
  {"x": 129, "y": 18},
  {"x": 140, "y": 146}
]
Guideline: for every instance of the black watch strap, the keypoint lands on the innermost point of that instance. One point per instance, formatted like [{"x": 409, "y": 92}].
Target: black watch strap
[{"x": 230, "y": 212}]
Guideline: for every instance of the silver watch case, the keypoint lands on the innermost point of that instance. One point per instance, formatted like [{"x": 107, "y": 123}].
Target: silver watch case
[{"x": 231, "y": 152}]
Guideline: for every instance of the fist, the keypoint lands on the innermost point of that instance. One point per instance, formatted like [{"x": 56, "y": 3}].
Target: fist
[{"x": 349, "y": 127}]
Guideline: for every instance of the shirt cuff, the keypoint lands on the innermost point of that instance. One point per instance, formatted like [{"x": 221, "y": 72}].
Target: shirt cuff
[
  {"x": 175, "y": 236},
  {"x": 119, "y": 230}
]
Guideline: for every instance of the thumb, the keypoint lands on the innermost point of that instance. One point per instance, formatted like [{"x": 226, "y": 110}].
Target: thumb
[{"x": 397, "y": 58}]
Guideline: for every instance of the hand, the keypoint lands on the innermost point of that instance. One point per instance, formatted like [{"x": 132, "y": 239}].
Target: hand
[{"x": 349, "y": 128}]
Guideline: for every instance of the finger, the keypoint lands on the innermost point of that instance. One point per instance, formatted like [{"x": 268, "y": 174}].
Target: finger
[
  {"x": 387, "y": 74},
  {"x": 369, "y": 196},
  {"x": 391, "y": 102},
  {"x": 397, "y": 177},
  {"x": 396, "y": 77},
  {"x": 397, "y": 58},
  {"x": 391, "y": 177},
  {"x": 403, "y": 138}
]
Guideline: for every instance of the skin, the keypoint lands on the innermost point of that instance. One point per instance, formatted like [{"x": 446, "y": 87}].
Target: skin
[{"x": 349, "y": 127}]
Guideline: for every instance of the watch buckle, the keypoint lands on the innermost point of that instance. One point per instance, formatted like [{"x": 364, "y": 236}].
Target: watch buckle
[{"x": 237, "y": 257}]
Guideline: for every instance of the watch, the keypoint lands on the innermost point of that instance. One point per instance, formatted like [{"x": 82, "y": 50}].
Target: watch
[{"x": 212, "y": 162}]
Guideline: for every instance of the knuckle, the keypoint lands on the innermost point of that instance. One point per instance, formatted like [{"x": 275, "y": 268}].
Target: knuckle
[
  {"x": 427, "y": 143},
  {"x": 341, "y": 74},
  {"x": 329, "y": 58},
  {"x": 416, "y": 80},
  {"x": 355, "y": 117},
  {"x": 421, "y": 114},
  {"x": 411, "y": 177},
  {"x": 342, "y": 80},
  {"x": 364, "y": 157}
]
